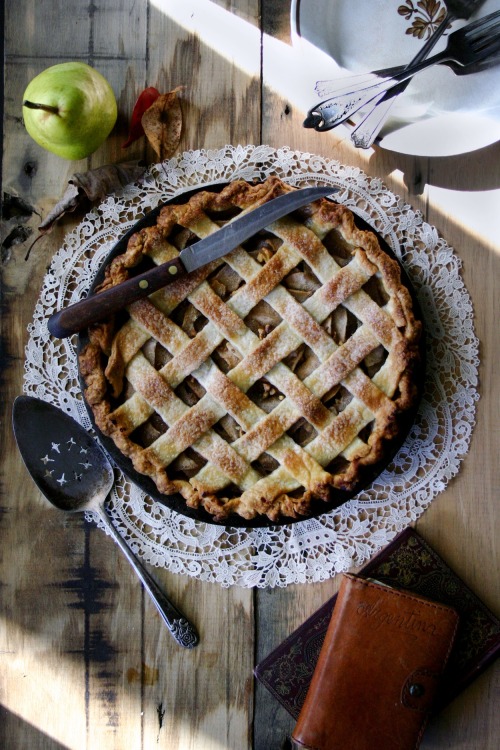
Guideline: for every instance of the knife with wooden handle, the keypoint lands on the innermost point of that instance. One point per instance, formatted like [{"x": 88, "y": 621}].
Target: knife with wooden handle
[{"x": 98, "y": 306}]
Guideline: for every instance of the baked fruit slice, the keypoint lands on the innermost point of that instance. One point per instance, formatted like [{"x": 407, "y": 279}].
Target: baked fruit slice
[{"x": 267, "y": 380}]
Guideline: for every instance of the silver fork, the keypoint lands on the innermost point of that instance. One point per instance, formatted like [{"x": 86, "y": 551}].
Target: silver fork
[
  {"x": 466, "y": 46},
  {"x": 330, "y": 87},
  {"x": 365, "y": 133},
  {"x": 362, "y": 81}
]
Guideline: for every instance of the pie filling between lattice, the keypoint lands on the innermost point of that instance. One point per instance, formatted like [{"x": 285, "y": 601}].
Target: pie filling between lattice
[{"x": 266, "y": 380}]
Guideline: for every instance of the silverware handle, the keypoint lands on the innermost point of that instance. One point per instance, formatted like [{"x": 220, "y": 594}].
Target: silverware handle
[
  {"x": 337, "y": 109},
  {"x": 180, "y": 628},
  {"x": 366, "y": 132},
  {"x": 98, "y": 306}
]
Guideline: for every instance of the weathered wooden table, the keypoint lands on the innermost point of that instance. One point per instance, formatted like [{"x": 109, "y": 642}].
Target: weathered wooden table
[{"x": 85, "y": 661}]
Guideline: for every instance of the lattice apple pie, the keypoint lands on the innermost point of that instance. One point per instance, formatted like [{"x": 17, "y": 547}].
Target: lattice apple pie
[{"x": 264, "y": 381}]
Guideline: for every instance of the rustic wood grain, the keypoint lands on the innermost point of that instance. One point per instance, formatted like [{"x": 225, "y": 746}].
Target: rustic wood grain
[
  {"x": 78, "y": 622},
  {"x": 85, "y": 661},
  {"x": 463, "y": 522}
]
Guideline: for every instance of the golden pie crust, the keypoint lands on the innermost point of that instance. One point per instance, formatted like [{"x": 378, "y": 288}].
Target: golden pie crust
[{"x": 266, "y": 380}]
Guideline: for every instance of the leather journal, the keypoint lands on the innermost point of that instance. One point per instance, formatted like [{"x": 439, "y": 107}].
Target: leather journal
[
  {"x": 408, "y": 562},
  {"x": 378, "y": 671}
]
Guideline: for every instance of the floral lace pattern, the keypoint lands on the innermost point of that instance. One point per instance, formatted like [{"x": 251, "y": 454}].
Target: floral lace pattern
[{"x": 316, "y": 549}]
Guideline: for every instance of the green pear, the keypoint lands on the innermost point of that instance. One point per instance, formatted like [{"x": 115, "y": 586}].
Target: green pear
[{"x": 69, "y": 109}]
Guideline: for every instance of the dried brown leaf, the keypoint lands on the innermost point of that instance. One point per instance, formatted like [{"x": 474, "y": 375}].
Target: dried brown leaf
[
  {"x": 91, "y": 186},
  {"x": 70, "y": 200},
  {"x": 100, "y": 182},
  {"x": 162, "y": 124}
]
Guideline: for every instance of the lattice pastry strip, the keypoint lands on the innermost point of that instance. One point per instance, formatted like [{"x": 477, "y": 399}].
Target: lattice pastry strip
[
  {"x": 153, "y": 394},
  {"x": 163, "y": 451},
  {"x": 192, "y": 428},
  {"x": 320, "y": 379},
  {"x": 236, "y": 331},
  {"x": 280, "y": 354},
  {"x": 280, "y": 452},
  {"x": 282, "y": 418},
  {"x": 299, "y": 467},
  {"x": 189, "y": 425}
]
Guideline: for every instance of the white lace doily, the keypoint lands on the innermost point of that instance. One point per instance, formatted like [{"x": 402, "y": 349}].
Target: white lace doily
[{"x": 311, "y": 550}]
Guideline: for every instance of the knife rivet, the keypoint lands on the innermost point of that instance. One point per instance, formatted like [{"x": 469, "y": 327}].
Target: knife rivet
[
  {"x": 172, "y": 270},
  {"x": 143, "y": 284}
]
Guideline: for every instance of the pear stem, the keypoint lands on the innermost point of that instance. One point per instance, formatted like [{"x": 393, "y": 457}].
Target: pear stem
[{"x": 45, "y": 107}]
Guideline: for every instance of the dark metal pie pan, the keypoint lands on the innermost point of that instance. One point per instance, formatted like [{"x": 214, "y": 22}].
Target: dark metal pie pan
[{"x": 176, "y": 502}]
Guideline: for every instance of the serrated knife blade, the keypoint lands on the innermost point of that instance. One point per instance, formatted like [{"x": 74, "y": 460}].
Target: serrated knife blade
[{"x": 96, "y": 307}]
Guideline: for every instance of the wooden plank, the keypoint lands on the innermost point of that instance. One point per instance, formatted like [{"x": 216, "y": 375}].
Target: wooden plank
[
  {"x": 126, "y": 672},
  {"x": 202, "y": 697},
  {"x": 75, "y": 621},
  {"x": 76, "y": 608},
  {"x": 38, "y": 31},
  {"x": 463, "y": 523},
  {"x": 281, "y": 611},
  {"x": 214, "y": 52},
  {"x": 205, "y": 695},
  {"x": 39, "y": 627},
  {"x": 459, "y": 524}
]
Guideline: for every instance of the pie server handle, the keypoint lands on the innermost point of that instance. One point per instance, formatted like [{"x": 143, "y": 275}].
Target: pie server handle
[{"x": 99, "y": 306}]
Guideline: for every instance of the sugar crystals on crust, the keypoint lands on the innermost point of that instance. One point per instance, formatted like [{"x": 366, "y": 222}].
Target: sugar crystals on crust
[{"x": 266, "y": 380}]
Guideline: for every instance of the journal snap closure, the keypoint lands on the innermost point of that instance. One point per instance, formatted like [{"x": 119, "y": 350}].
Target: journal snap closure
[
  {"x": 419, "y": 689},
  {"x": 416, "y": 690}
]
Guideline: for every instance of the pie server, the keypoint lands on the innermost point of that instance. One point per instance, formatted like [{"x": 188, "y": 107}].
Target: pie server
[
  {"x": 73, "y": 473},
  {"x": 96, "y": 307}
]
